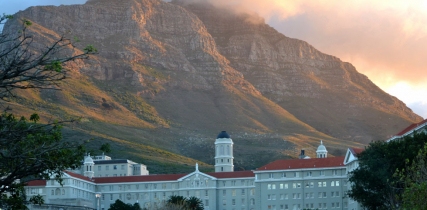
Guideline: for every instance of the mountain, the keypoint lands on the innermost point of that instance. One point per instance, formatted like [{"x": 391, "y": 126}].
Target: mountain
[{"x": 170, "y": 76}]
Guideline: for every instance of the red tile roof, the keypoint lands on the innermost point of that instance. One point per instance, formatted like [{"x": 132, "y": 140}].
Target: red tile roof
[
  {"x": 36, "y": 183},
  {"x": 79, "y": 176},
  {"x": 143, "y": 178},
  {"x": 234, "y": 174},
  {"x": 356, "y": 151},
  {"x": 411, "y": 127},
  {"x": 304, "y": 163}
]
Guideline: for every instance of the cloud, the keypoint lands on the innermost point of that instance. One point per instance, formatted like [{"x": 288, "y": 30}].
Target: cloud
[{"x": 385, "y": 40}]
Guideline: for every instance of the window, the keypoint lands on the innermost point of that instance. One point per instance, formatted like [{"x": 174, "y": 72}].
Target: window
[
  {"x": 163, "y": 186},
  {"x": 333, "y": 205},
  {"x": 337, "y": 193},
  {"x": 273, "y": 197},
  {"x": 233, "y": 192},
  {"x": 115, "y": 167},
  {"x": 283, "y": 175},
  {"x": 252, "y": 201},
  {"x": 99, "y": 168},
  {"x": 286, "y": 186},
  {"x": 111, "y": 197},
  {"x": 282, "y": 197},
  {"x": 324, "y": 194},
  {"x": 294, "y": 185},
  {"x": 252, "y": 191},
  {"x": 286, "y": 196},
  {"x": 332, "y": 194},
  {"x": 224, "y": 193},
  {"x": 324, "y": 184},
  {"x": 155, "y": 186},
  {"x": 322, "y": 173},
  {"x": 268, "y": 197},
  {"x": 233, "y": 202},
  {"x": 296, "y": 174},
  {"x": 206, "y": 193},
  {"x": 270, "y": 175},
  {"x": 123, "y": 167},
  {"x": 335, "y": 172},
  {"x": 224, "y": 202},
  {"x": 319, "y": 184},
  {"x": 197, "y": 194},
  {"x": 337, "y": 204},
  {"x": 308, "y": 173},
  {"x": 281, "y": 186},
  {"x": 320, "y": 195},
  {"x": 243, "y": 201},
  {"x": 243, "y": 191},
  {"x": 273, "y": 186},
  {"x": 206, "y": 202},
  {"x": 337, "y": 183},
  {"x": 269, "y": 186},
  {"x": 332, "y": 183},
  {"x": 233, "y": 183}
]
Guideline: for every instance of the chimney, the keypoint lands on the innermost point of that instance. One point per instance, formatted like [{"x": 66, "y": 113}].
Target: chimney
[{"x": 302, "y": 155}]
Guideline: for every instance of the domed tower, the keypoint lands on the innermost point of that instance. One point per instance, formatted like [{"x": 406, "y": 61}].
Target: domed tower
[
  {"x": 321, "y": 151},
  {"x": 224, "y": 153},
  {"x": 88, "y": 167}
]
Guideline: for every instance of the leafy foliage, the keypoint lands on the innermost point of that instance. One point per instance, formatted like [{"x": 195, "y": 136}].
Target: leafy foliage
[
  {"x": 29, "y": 150},
  {"x": 178, "y": 202},
  {"x": 23, "y": 65},
  {"x": 119, "y": 205},
  {"x": 414, "y": 178},
  {"x": 374, "y": 184}
]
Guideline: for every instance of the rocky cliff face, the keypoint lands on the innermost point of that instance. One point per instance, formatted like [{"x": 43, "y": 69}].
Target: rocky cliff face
[
  {"x": 194, "y": 70},
  {"x": 318, "y": 89}
]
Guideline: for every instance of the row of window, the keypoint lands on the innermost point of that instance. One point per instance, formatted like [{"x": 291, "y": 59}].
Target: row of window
[
  {"x": 307, "y": 206},
  {"x": 335, "y": 172},
  {"x": 242, "y": 192},
  {"x": 243, "y": 202},
  {"x": 236, "y": 183},
  {"x": 307, "y": 185}
]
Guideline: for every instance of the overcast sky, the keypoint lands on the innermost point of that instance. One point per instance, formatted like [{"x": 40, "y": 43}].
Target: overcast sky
[{"x": 385, "y": 40}]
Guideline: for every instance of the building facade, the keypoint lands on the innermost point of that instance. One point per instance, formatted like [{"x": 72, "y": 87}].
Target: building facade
[{"x": 318, "y": 183}]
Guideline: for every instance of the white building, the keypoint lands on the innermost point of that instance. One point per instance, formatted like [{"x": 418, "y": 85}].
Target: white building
[
  {"x": 283, "y": 184},
  {"x": 416, "y": 127},
  {"x": 104, "y": 166}
]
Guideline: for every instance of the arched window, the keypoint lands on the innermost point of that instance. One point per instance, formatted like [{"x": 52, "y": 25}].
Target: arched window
[
  {"x": 221, "y": 150},
  {"x": 217, "y": 150},
  {"x": 228, "y": 150},
  {"x": 63, "y": 192},
  {"x": 57, "y": 191}
]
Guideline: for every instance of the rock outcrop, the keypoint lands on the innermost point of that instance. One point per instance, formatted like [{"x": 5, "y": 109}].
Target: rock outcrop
[{"x": 194, "y": 69}]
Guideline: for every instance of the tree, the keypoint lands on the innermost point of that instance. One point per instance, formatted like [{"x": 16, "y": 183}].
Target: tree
[
  {"x": 119, "y": 205},
  {"x": 30, "y": 150},
  {"x": 177, "y": 202},
  {"x": 374, "y": 184},
  {"x": 414, "y": 178},
  {"x": 23, "y": 65}
]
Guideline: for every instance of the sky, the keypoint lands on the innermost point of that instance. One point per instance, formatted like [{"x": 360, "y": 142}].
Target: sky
[{"x": 385, "y": 40}]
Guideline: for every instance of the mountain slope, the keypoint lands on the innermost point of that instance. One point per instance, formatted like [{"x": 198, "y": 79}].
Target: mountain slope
[
  {"x": 168, "y": 78},
  {"x": 318, "y": 89}
]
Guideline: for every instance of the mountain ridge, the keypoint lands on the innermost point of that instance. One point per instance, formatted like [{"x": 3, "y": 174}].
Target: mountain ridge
[{"x": 169, "y": 78}]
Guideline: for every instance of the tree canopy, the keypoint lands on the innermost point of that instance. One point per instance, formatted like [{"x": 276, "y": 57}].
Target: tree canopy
[
  {"x": 374, "y": 183},
  {"x": 30, "y": 150},
  {"x": 119, "y": 205}
]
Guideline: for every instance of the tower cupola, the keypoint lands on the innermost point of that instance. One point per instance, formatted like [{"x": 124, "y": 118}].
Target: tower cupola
[
  {"x": 321, "y": 151},
  {"x": 224, "y": 153},
  {"x": 88, "y": 166}
]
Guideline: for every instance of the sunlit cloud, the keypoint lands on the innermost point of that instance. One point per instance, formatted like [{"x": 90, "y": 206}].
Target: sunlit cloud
[{"x": 385, "y": 40}]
